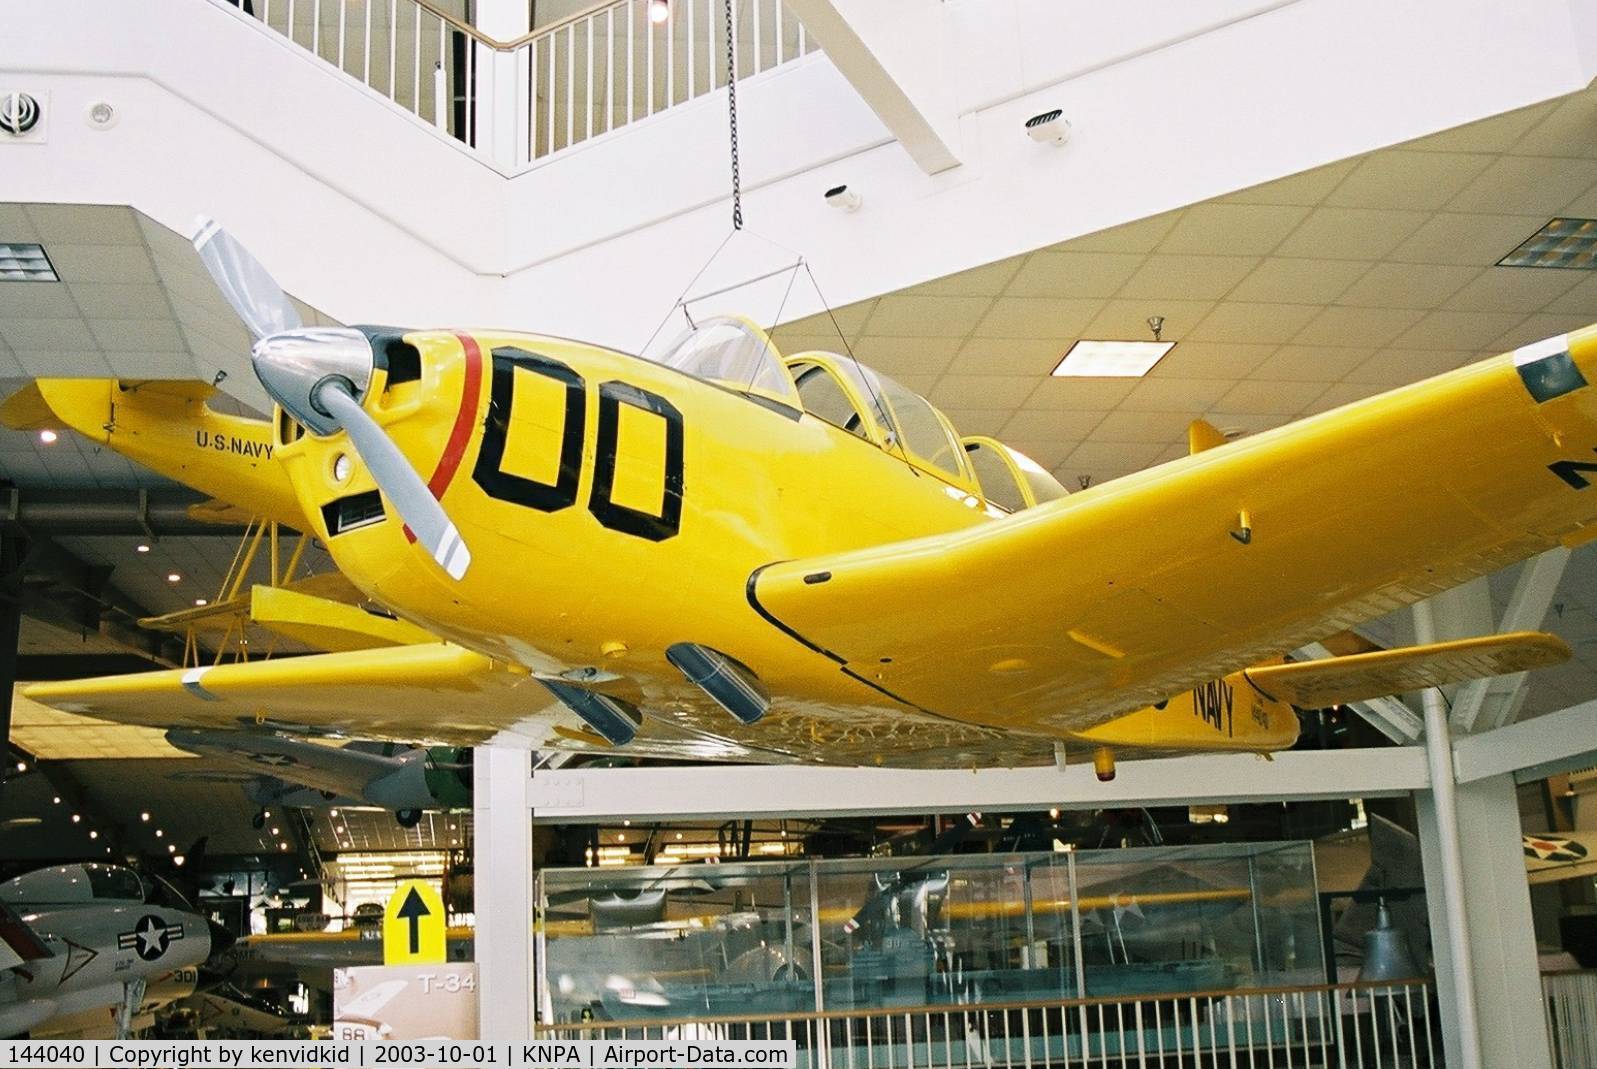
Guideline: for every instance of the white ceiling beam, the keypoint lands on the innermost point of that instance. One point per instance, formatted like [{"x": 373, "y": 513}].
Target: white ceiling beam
[
  {"x": 591, "y": 795},
  {"x": 891, "y": 52},
  {"x": 1534, "y": 748},
  {"x": 1489, "y": 703}
]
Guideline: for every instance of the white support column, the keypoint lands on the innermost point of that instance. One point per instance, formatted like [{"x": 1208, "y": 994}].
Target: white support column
[
  {"x": 501, "y": 111},
  {"x": 1499, "y": 941},
  {"x": 502, "y": 895}
]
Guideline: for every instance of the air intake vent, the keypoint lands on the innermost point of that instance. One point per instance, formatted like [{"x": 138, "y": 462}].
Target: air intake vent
[{"x": 349, "y": 513}]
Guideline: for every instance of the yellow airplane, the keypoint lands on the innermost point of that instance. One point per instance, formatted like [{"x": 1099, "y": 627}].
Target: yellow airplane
[{"x": 731, "y": 554}]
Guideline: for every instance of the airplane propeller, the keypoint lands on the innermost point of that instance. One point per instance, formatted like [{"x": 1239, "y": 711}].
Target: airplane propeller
[{"x": 319, "y": 375}]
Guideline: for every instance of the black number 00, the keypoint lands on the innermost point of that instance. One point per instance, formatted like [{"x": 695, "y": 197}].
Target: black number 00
[{"x": 562, "y": 493}]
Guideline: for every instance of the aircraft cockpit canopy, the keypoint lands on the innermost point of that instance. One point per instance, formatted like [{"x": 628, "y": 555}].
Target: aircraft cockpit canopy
[
  {"x": 734, "y": 353},
  {"x": 74, "y": 885}
]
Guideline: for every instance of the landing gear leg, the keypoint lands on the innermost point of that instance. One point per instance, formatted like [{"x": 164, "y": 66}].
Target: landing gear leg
[{"x": 132, "y": 999}]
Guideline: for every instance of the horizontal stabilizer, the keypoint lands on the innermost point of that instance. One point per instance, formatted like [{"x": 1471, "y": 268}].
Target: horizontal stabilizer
[
  {"x": 19, "y": 944},
  {"x": 1336, "y": 680}
]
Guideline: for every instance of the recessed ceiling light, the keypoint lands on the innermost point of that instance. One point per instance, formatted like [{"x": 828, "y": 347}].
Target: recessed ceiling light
[
  {"x": 142, "y": 547},
  {"x": 24, "y": 262},
  {"x": 1112, "y": 359},
  {"x": 201, "y": 601},
  {"x": 48, "y": 437},
  {"x": 1570, "y": 243},
  {"x": 174, "y": 577}
]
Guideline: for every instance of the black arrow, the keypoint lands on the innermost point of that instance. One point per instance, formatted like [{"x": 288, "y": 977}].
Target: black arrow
[{"x": 414, "y": 909}]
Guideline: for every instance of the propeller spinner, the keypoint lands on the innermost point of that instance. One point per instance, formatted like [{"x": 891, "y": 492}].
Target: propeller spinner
[{"x": 319, "y": 375}]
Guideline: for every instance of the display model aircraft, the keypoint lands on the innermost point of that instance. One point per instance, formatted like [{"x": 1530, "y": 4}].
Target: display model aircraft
[
  {"x": 89, "y": 950},
  {"x": 727, "y": 554},
  {"x": 299, "y": 774}
]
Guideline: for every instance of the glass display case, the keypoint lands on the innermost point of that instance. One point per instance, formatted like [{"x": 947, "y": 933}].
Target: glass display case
[{"x": 773, "y": 938}]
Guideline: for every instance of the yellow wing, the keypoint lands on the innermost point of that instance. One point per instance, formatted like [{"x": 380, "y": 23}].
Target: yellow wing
[
  {"x": 1117, "y": 597},
  {"x": 433, "y": 692},
  {"x": 1334, "y": 680}
]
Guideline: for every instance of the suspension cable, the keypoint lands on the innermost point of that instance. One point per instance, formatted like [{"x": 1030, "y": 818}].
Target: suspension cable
[{"x": 732, "y": 117}]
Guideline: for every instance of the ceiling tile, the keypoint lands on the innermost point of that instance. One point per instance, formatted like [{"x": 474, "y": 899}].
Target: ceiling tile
[
  {"x": 84, "y": 224},
  {"x": 1049, "y": 454},
  {"x": 1185, "y": 396},
  {"x": 1281, "y": 280},
  {"x": 926, "y": 316},
  {"x": 1139, "y": 236},
  {"x": 1037, "y": 317},
  {"x": 15, "y": 225},
  {"x": 1530, "y": 184},
  {"x": 1232, "y": 229},
  {"x": 1342, "y": 393},
  {"x": 987, "y": 421},
  {"x": 1407, "y": 285},
  {"x": 157, "y": 365},
  {"x": 1495, "y": 134},
  {"x": 1458, "y": 330},
  {"x": 791, "y": 344},
  {"x": 1307, "y": 188},
  {"x": 1061, "y": 425},
  {"x": 70, "y": 364},
  {"x": 108, "y": 300},
  {"x": 1007, "y": 356},
  {"x": 988, "y": 280},
  {"x": 1357, "y": 326},
  {"x": 1312, "y": 363},
  {"x": 1351, "y": 233},
  {"x": 1117, "y": 456},
  {"x": 1570, "y": 129},
  {"x": 1073, "y": 274},
  {"x": 1183, "y": 277},
  {"x": 1210, "y": 360},
  {"x": 1535, "y": 328},
  {"x": 1581, "y": 300},
  {"x": 1396, "y": 178},
  {"x": 36, "y": 300},
  {"x": 1159, "y": 428},
  {"x": 851, "y": 319},
  {"x": 1394, "y": 367},
  {"x": 1269, "y": 398},
  {"x": 1004, "y": 391},
  {"x": 906, "y": 356},
  {"x": 1478, "y": 240},
  {"x": 103, "y": 263},
  {"x": 1515, "y": 289},
  {"x": 1127, "y": 320},
  {"x": 1241, "y": 321},
  {"x": 64, "y": 335},
  {"x": 137, "y": 335},
  {"x": 1070, "y": 393}
]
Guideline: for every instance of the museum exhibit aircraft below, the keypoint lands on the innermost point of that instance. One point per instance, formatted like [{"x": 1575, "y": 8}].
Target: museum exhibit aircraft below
[
  {"x": 87, "y": 950},
  {"x": 727, "y": 553}
]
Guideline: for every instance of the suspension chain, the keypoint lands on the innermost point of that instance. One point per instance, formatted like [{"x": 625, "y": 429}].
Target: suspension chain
[{"x": 732, "y": 117}]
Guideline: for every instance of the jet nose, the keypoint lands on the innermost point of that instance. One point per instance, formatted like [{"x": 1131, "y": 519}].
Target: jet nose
[
  {"x": 294, "y": 364},
  {"x": 222, "y": 940}
]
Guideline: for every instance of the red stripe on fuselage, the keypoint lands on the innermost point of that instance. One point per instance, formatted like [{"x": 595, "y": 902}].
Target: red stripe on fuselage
[{"x": 460, "y": 433}]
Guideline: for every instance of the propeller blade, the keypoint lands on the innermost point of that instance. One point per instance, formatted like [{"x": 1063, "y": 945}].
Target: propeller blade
[
  {"x": 255, "y": 296},
  {"x": 404, "y": 488}
]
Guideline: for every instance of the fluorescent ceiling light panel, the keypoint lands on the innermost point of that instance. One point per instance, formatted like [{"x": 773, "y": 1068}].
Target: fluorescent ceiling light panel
[
  {"x": 1112, "y": 359},
  {"x": 21, "y": 262},
  {"x": 1568, "y": 243}
]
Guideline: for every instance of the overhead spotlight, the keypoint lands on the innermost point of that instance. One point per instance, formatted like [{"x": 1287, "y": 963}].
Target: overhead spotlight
[
  {"x": 48, "y": 437},
  {"x": 22, "y": 766},
  {"x": 1050, "y": 127},
  {"x": 56, "y": 800},
  {"x": 94, "y": 834},
  {"x": 843, "y": 198},
  {"x": 659, "y": 11},
  {"x": 201, "y": 602},
  {"x": 171, "y": 849},
  {"x": 159, "y": 833},
  {"x": 178, "y": 859},
  {"x": 274, "y": 830},
  {"x": 174, "y": 577},
  {"x": 142, "y": 547},
  {"x": 282, "y": 846},
  {"x": 679, "y": 835},
  {"x": 76, "y": 818},
  {"x": 266, "y": 813},
  {"x": 145, "y": 816}
]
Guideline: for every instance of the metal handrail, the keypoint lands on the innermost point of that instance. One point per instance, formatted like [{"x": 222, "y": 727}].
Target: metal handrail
[{"x": 989, "y": 1007}]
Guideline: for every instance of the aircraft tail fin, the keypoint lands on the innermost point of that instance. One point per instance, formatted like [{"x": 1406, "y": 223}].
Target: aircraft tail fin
[
  {"x": 1335, "y": 680},
  {"x": 1201, "y": 435},
  {"x": 19, "y": 944}
]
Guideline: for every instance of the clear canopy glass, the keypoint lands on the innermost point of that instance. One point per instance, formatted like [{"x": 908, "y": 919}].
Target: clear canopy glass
[{"x": 734, "y": 353}]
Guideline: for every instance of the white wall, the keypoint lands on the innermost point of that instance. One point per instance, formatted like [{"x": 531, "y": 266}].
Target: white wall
[{"x": 369, "y": 214}]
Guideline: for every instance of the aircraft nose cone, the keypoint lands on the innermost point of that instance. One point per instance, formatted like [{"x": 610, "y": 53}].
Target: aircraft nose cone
[
  {"x": 294, "y": 364},
  {"x": 222, "y": 940}
]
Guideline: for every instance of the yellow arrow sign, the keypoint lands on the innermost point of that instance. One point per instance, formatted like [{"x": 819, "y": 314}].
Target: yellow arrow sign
[{"x": 413, "y": 925}]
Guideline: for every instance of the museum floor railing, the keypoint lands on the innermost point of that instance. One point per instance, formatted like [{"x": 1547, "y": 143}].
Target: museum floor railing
[
  {"x": 601, "y": 68},
  {"x": 1349, "y": 1026}
]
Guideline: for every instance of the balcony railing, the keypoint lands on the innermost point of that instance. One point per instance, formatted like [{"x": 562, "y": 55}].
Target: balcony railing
[
  {"x": 579, "y": 78},
  {"x": 1349, "y": 1026},
  {"x": 1571, "y": 999}
]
